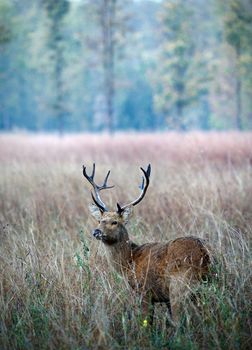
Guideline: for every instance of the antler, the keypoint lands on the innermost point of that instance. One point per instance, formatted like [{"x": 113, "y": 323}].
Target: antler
[
  {"x": 97, "y": 189},
  {"x": 143, "y": 187}
]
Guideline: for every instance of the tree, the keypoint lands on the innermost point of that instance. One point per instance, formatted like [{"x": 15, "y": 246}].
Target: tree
[
  {"x": 56, "y": 11},
  {"x": 111, "y": 18},
  {"x": 182, "y": 76},
  {"x": 107, "y": 22},
  {"x": 14, "y": 64},
  {"x": 6, "y": 35},
  {"x": 237, "y": 16}
]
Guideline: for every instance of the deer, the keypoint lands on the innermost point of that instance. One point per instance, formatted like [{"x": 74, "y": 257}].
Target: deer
[{"x": 163, "y": 272}]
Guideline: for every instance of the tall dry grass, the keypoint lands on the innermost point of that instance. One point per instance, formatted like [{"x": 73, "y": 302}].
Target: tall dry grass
[{"x": 56, "y": 289}]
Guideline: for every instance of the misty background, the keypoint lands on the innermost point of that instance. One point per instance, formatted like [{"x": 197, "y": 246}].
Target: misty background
[{"x": 108, "y": 65}]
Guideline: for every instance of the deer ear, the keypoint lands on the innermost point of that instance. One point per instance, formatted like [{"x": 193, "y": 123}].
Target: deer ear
[
  {"x": 95, "y": 212},
  {"x": 127, "y": 214}
]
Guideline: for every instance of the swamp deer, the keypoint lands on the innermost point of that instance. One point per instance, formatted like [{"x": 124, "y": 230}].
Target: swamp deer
[{"x": 160, "y": 272}]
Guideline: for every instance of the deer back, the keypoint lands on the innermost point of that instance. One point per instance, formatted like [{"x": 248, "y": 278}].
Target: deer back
[{"x": 154, "y": 264}]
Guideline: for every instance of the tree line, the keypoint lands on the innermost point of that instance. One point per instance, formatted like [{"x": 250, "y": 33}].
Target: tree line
[{"x": 125, "y": 65}]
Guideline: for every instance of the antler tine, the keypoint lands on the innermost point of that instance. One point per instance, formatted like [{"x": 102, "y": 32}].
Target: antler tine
[
  {"x": 93, "y": 172},
  {"x": 104, "y": 186},
  {"x": 97, "y": 199},
  {"x": 144, "y": 186}
]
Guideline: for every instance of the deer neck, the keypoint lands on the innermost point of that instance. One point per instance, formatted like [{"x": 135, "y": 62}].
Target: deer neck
[{"x": 120, "y": 255}]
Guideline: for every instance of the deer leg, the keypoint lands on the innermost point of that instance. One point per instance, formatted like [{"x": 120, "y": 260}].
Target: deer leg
[
  {"x": 179, "y": 290},
  {"x": 151, "y": 311},
  {"x": 169, "y": 314},
  {"x": 147, "y": 310},
  {"x": 168, "y": 305}
]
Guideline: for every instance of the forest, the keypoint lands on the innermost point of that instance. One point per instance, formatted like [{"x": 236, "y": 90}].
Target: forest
[{"x": 109, "y": 65}]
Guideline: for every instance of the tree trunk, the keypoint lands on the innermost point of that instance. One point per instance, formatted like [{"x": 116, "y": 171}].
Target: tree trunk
[
  {"x": 59, "y": 94},
  {"x": 108, "y": 32},
  {"x": 56, "y": 10},
  {"x": 180, "y": 117},
  {"x": 238, "y": 91},
  {"x": 58, "y": 72}
]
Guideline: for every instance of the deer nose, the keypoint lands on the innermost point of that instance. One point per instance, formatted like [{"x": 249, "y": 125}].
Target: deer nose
[{"x": 97, "y": 233}]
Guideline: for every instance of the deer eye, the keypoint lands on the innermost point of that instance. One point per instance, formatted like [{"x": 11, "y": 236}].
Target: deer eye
[{"x": 114, "y": 223}]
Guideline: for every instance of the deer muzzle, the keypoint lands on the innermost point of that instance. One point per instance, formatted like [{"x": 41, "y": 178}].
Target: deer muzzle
[{"x": 98, "y": 234}]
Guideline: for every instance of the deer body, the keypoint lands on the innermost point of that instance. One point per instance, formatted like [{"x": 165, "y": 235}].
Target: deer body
[{"x": 160, "y": 272}]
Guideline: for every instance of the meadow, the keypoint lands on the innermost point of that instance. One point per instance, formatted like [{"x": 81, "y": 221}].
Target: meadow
[{"x": 56, "y": 288}]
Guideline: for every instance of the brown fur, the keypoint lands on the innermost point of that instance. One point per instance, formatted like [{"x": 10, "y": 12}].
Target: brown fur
[{"x": 160, "y": 272}]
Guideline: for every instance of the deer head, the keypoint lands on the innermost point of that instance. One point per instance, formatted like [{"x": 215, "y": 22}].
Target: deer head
[{"x": 111, "y": 228}]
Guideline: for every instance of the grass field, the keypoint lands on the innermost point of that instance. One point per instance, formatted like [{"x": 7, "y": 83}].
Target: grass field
[{"x": 56, "y": 288}]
